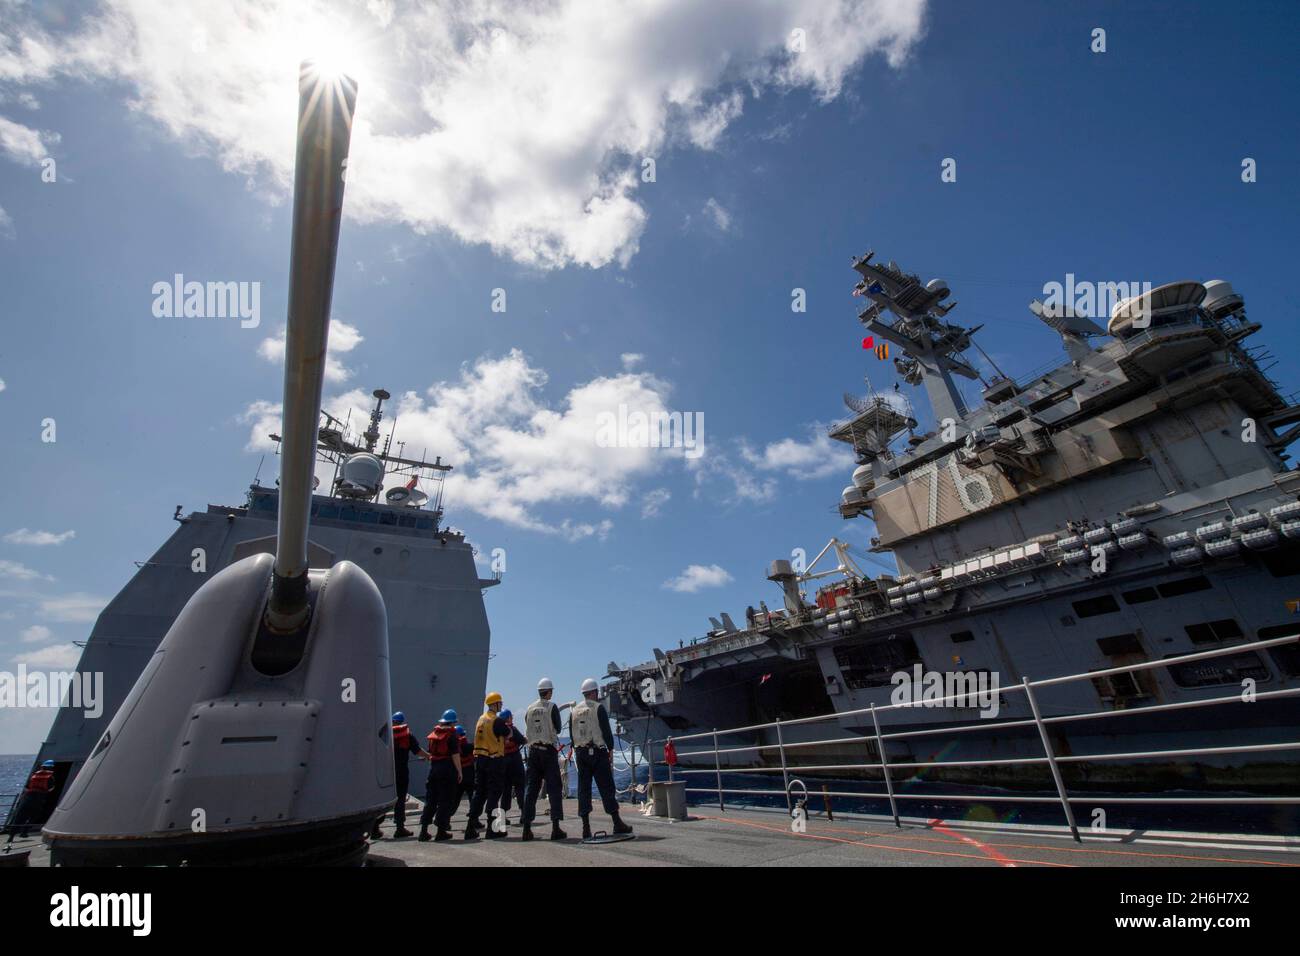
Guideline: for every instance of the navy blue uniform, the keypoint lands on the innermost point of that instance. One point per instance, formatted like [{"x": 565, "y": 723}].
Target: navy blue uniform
[
  {"x": 594, "y": 764},
  {"x": 544, "y": 768}
]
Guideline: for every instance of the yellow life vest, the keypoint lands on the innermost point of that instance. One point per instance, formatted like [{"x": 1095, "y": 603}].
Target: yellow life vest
[{"x": 486, "y": 743}]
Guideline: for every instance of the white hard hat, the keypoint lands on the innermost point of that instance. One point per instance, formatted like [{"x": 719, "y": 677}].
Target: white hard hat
[
  {"x": 545, "y": 684},
  {"x": 589, "y": 685}
]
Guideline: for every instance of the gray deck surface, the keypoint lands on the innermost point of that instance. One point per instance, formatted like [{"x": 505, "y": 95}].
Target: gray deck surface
[{"x": 764, "y": 838}]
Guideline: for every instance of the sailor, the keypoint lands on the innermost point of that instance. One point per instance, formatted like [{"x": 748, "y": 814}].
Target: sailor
[
  {"x": 593, "y": 748},
  {"x": 36, "y": 802},
  {"x": 404, "y": 744},
  {"x": 542, "y": 726},
  {"x": 466, "y": 766},
  {"x": 443, "y": 788},
  {"x": 489, "y": 768},
  {"x": 513, "y": 782}
]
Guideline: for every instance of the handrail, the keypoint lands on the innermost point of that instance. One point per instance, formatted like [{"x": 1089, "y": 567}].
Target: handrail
[
  {"x": 1046, "y": 682},
  {"x": 1050, "y": 758}
]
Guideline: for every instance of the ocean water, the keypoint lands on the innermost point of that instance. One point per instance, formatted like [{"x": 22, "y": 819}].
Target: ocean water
[{"x": 14, "y": 769}]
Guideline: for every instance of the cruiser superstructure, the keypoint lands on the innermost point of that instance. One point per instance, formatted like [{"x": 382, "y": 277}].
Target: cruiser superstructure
[{"x": 1133, "y": 503}]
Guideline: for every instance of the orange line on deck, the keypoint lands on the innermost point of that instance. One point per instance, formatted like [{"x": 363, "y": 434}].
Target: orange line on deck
[
  {"x": 990, "y": 852},
  {"x": 1069, "y": 849},
  {"x": 875, "y": 846}
]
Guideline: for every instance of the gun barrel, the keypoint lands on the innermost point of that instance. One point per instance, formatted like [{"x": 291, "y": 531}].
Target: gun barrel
[{"x": 325, "y": 108}]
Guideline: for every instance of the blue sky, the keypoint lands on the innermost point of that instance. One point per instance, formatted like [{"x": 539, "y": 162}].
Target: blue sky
[{"x": 771, "y": 173}]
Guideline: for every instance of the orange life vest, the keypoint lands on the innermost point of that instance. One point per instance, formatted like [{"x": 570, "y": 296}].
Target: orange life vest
[
  {"x": 42, "y": 781},
  {"x": 443, "y": 743},
  {"x": 401, "y": 737}
]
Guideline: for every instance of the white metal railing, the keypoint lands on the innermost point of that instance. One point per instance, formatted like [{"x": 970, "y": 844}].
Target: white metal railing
[{"x": 1050, "y": 757}]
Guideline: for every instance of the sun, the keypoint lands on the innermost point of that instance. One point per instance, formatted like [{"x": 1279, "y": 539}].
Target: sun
[{"x": 333, "y": 51}]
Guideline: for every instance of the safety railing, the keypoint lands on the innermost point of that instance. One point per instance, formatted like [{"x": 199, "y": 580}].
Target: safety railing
[{"x": 1050, "y": 757}]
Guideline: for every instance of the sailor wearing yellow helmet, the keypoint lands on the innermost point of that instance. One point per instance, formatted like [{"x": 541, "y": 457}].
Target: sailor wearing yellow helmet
[{"x": 489, "y": 768}]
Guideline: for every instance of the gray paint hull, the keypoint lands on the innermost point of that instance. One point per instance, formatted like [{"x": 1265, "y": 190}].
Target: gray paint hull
[{"x": 438, "y": 630}]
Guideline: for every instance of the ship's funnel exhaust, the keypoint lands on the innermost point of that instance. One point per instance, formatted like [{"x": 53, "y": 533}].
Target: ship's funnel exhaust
[{"x": 325, "y": 108}]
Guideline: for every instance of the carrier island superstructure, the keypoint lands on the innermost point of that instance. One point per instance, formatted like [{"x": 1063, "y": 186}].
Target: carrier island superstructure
[
  {"x": 438, "y": 634},
  {"x": 1132, "y": 503}
]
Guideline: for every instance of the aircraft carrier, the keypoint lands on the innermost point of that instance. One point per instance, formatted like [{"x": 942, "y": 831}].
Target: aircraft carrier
[{"x": 1133, "y": 503}]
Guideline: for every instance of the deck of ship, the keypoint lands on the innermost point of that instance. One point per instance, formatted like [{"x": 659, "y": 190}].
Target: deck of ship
[{"x": 756, "y": 837}]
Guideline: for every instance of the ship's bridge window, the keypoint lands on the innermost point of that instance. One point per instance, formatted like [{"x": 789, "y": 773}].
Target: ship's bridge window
[
  {"x": 1091, "y": 607},
  {"x": 1286, "y": 656},
  {"x": 961, "y": 637},
  {"x": 1212, "y": 632},
  {"x": 1220, "y": 670},
  {"x": 873, "y": 664}
]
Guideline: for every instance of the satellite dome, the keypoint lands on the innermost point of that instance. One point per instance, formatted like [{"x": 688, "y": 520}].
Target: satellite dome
[
  {"x": 362, "y": 476},
  {"x": 1220, "y": 298}
]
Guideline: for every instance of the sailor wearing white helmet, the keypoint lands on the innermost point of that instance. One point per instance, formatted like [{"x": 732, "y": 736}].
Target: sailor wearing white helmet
[
  {"x": 542, "y": 729},
  {"x": 593, "y": 749}
]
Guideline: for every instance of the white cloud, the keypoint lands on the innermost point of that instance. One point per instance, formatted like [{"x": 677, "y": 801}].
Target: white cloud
[
  {"x": 2, "y": 381},
  {"x": 717, "y": 215},
  {"x": 36, "y": 634},
  {"x": 20, "y": 572},
  {"x": 743, "y": 475},
  {"x": 707, "y": 126},
  {"x": 513, "y": 453},
  {"x": 697, "y": 577},
  {"x": 23, "y": 144},
  {"x": 343, "y": 338},
  {"x": 518, "y": 125},
  {"x": 265, "y": 420},
  {"x": 39, "y": 538},
  {"x": 818, "y": 457},
  {"x": 631, "y": 360},
  {"x": 718, "y": 475},
  {"x": 7, "y": 230},
  {"x": 55, "y": 657},
  {"x": 75, "y": 608},
  {"x": 654, "y": 501},
  {"x": 576, "y": 531}
]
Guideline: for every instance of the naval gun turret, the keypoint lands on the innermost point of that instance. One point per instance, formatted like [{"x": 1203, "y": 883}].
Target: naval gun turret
[{"x": 259, "y": 730}]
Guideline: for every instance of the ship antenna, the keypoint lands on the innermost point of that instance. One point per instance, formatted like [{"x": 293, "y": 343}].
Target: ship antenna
[
  {"x": 376, "y": 415},
  {"x": 1001, "y": 374},
  {"x": 324, "y": 134}
]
